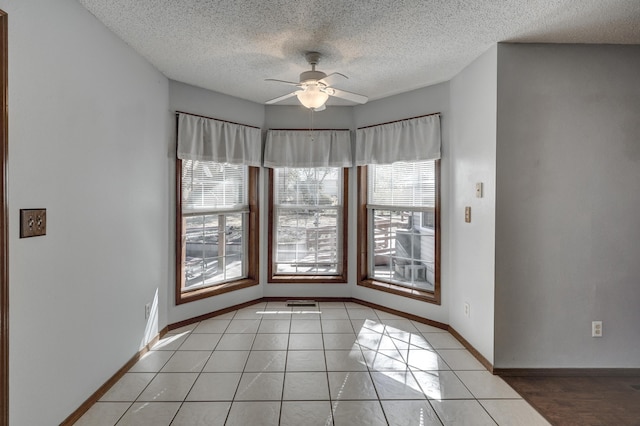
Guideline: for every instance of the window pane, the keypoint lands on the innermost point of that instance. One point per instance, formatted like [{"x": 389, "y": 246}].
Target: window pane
[
  {"x": 307, "y": 241},
  {"x": 307, "y": 222},
  {"x": 214, "y": 249},
  {"x": 198, "y": 250},
  {"x": 308, "y": 186},
  {"x": 210, "y": 185},
  {"x": 402, "y": 243},
  {"x": 403, "y": 250}
]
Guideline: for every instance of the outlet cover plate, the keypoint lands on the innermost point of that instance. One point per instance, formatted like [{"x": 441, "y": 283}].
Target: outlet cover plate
[{"x": 33, "y": 223}]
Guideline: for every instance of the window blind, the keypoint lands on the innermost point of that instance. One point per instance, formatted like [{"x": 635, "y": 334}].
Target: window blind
[
  {"x": 208, "y": 186},
  {"x": 402, "y": 184}
]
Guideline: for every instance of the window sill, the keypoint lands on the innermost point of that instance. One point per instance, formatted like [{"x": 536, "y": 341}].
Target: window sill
[
  {"x": 424, "y": 296},
  {"x": 308, "y": 279},
  {"x": 202, "y": 293}
]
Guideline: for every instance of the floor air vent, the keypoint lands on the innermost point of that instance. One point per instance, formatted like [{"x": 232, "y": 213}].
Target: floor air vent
[{"x": 306, "y": 303}]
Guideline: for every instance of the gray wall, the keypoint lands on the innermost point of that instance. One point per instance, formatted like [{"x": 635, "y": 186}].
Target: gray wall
[
  {"x": 568, "y": 196},
  {"x": 88, "y": 141},
  {"x": 472, "y": 245}
]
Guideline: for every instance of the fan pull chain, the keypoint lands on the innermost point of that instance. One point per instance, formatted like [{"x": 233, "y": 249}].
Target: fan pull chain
[{"x": 311, "y": 129}]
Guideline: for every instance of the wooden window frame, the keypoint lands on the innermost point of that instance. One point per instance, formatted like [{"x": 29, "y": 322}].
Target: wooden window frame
[
  {"x": 340, "y": 278},
  {"x": 4, "y": 220},
  {"x": 253, "y": 245},
  {"x": 363, "y": 246}
]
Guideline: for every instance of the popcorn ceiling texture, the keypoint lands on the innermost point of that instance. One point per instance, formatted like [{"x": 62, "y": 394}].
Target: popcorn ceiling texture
[{"x": 385, "y": 47}]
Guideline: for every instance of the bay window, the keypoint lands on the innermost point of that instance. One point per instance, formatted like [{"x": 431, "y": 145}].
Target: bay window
[{"x": 217, "y": 209}]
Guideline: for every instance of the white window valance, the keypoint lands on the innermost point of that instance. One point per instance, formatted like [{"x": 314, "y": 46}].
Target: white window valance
[
  {"x": 414, "y": 139},
  {"x": 206, "y": 139},
  {"x": 308, "y": 148}
]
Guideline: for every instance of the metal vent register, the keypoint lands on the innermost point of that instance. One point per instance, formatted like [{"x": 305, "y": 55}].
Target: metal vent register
[{"x": 307, "y": 303}]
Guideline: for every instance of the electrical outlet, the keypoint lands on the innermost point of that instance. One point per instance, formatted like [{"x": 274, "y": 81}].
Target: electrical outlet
[
  {"x": 596, "y": 329},
  {"x": 467, "y": 214},
  {"x": 147, "y": 311},
  {"x": 33, "y": 222},
  {"x": 467, "y": 310}
]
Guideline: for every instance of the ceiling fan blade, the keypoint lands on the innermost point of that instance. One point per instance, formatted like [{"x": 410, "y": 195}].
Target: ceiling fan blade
[
  {"x": 343, "y": 94},
  {"x": 282, "y": 81},
  {"x": 281, "y": 98},
  {"x": 332, "y": 78}
]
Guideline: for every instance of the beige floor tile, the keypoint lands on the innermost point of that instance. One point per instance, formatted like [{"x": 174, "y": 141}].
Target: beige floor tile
[
  {"x": 441, "y": 385},
  {"x": 464, "y": 412},
  {"x": 351, "y": 386},
  {"x": 513, "y": 412},
  {"x": 405, "y": 413},
  {"x": 460, "y": 359},
  {"x": 358, "y": 413},
  {"x": 266, "y": 361},
  {"x": 254, "y": 413},
  {"x": 168, "y": 387},
  {"x": 128, "y": 388},
  {"x": 306, "y": 386},
  {"x": 202, "y": 414},
  {"x": 150, "y": 413},
  {"x": 151, "y": 362},
  {"x": 186, "y": 362},
  {"x": 305, "y": 342},
  {"x": 483, "y": 384},
  {"x": 306, "y": 361},
  {"x": 307, "y": 413},
  {"x": 103, "y": 414},
  {"x": 226, "y": 362},
  {"x": 270, "y": 342},
  {"x": 214, "y": 387},
  {"x": 396, "y": 385},
  {"x": 260, "y": 387}
]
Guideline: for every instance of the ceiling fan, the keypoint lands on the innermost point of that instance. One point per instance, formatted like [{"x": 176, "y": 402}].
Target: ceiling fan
[{"x": 315, "y": 87}]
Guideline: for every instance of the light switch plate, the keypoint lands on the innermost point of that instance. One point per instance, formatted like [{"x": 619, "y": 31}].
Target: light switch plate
[
  {"x": 33, "y": 222},
  {"x": 479, "y": 193}
]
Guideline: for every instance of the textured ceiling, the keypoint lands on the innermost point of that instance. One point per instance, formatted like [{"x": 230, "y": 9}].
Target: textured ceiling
[{"x": 385, "y": 47}]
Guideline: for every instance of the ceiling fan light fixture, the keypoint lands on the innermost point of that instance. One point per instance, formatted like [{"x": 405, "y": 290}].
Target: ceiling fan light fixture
[{"x": 312, "y": 97}]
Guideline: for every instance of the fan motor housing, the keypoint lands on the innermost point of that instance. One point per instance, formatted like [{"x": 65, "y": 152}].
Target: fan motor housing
[{"x": 311, "y": 76}]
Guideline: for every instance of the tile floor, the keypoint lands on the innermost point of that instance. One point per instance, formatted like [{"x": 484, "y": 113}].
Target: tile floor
[{"x": 337, "y": 364}]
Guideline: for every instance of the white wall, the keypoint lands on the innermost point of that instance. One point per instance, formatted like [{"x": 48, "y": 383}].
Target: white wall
[
  {"x": 195, "y": 100},
  {"x": 567, "y": 235},
  {"x": 428, "y": 100},
  {"x": 472, "y": 245},
  {"x": 88, "y": 141}
]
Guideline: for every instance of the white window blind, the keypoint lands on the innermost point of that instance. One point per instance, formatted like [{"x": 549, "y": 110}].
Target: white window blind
[
  {"x": 209, "y": 186},
  {"x": 402, "y": 184}
]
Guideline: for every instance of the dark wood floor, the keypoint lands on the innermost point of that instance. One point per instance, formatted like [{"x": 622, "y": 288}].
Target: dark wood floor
[{"x": 592, "y": 401}]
